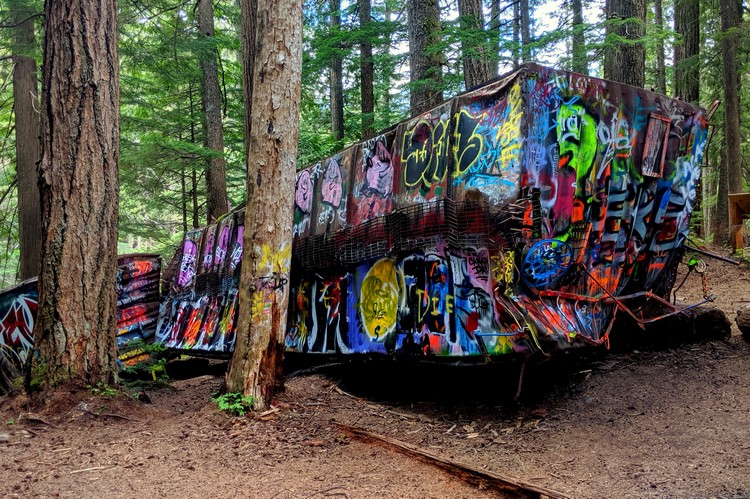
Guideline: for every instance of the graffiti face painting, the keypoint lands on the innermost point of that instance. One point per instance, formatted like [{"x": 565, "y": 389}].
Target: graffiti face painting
[
  {"x": 303, "y": 194},
  {"x": 379, "y": 300},
  {"x": 379, "y": 170},
  {"x": 331, "y": 188}
]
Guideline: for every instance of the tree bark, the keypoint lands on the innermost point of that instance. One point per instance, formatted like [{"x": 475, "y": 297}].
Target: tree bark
[
  {"x": 28, "y": 147},
  {"x": 248, "y": 12},
  {"x": 721, "y": 220},
  {"x": 516, "y": 33},
  {"x": 494, "y": 55},
  {"x": 425, "y": 60},
  {"x": 661, "y": 71},
  {"x": 75, "y": 327},
  {"x": 580, "y": 57},
  {"x": 473, "y": 43},
  {"x": 255, "y": 369},
  {"x": 731, "y": 16},
  {"x": 217, "y": 201},
  {"x": 686, "y": 50},
  {"x": 525, "y": 26},
  {"x": 336, "y": 75},
  {"x": 624, "y": 52},
  {"x": 367, "y": 70}
]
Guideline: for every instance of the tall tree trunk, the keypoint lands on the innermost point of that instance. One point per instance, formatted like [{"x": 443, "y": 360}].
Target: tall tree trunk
[
  {"x": 336, "y": 75},
  {"x": 686, "y": 50},
  {"x": 193, "y": 173},
  {"x": 625, "y": 63},
  {"x": 75, "y": 328},
  {"x": 661, "y": 71},
  {"x": 494, "y": 54},
  {"x": 473, "y": 43},
  {"x": 28, "y": 148},
  {"x": 721, "y": 221},
  {"x": 731, "y": 17},
  {"x": 217, "y": 201},
  {"x": 367, "y": 70},
  {"x": 425, "y": 61},
  {"x": 248, "y": 12},
  {"x": 516, "y": 32},
  {"x": 580, "y": 57},
  {"x": 255, "y": 369},
  {"x": 525, "y": 25},
  {"x": 183, "y": 187}
]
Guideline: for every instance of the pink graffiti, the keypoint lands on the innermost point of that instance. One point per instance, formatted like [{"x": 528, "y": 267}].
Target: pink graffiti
[
  {"x": 379, "y": 171},
  {"x": 208, "y": 253},
  {"x": 222, "y": 246},
  {"x": 331, "y": 188},
  {"x": 187, "y": 265},
  {"x": 304, "y": 192}
]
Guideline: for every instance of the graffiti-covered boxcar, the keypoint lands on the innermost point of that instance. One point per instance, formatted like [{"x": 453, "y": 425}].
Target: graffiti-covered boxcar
[
  {"x": 515, "y": 217},
  {"x": 137, "y": 286}
]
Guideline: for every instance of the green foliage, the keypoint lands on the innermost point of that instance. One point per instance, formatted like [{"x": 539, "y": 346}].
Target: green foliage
[
  {"x": 153, "y": 368},
  {"x": 10, "y": 422},
  {"x": 103, "y": 390},
  {"x": 234, "y": 403}
]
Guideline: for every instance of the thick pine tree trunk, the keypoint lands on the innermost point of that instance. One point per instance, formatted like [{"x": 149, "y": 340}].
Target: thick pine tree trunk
[
  {"x": 721, "y": 221},
  {"x": 425, "y": 63},
  {"x": 494, "y": 55},
  {"x": 473, "y": 43},
  {"x": 625, "y": 63},
  {"x": 516, "y": 32},
  {"x": 686, "y": 64},
  {"x": 336, "y": 73},
  {"x": 731, "y": 17},
  {"x": 255, "y": 368},
  {"x": 580, "y": 57},
  {"x": 367, "y": 70},
  {"x": 525, "y": 25},
  {"x": 28, "y": 148},
  {"x": 75, "y": 327},
  {"x": 248, "y": 11},
  {"x": 661, "y": 71},
  {"x": 216, "y": 176}
]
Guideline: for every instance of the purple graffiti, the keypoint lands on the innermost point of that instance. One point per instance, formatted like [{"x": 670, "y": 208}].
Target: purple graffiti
[
  {"x": 303, "y": 193},
  {"x": 187, "y": 265},
  {"x": 222, "y": 246},
  {"x": 379, "y": 170},
  {"x": 331, "y": 188}
]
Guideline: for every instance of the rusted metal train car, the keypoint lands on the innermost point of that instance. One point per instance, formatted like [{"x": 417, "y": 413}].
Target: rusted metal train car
[{"x": 523, "y": 215}]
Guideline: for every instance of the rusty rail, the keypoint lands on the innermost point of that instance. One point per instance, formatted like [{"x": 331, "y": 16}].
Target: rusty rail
[{"x": 486, "y": 479}]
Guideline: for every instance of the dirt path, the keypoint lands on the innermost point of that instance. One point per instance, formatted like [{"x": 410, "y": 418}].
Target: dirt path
[{"x": 670, "y": 423}]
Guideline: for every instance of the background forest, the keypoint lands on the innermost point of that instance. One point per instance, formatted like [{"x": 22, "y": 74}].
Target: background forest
[{"x": 180, "y": 123}]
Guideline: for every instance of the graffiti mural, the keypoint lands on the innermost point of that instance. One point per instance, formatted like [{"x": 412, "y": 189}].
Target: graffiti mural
[
  {"x": 506, "y": 220},
  {"x": 137, "y": 286},
  {"x": 420, "y": 157},
  {"x": 17, "y": 314},
  {"x": 487, "y": 142},
  {"x": 373, "y": 180}
]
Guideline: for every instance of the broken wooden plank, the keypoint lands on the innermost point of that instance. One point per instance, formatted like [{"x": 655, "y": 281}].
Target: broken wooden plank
[{"x": 481, "y": 478}]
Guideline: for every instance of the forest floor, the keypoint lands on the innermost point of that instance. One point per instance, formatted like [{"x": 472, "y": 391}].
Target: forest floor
[{"x": 673, "y": 422}]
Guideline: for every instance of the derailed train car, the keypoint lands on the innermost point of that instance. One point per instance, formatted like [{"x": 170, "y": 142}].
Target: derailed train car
[
  {"x": 137, "y": 287},
  {"x": 523, "y": 215}
]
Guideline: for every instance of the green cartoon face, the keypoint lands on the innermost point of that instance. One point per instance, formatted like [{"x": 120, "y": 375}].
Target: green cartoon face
[{"x": 576, "y": 136}]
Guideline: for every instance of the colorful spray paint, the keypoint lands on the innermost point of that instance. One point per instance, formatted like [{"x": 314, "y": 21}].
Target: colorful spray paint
[{"x": 502, "y": 221}]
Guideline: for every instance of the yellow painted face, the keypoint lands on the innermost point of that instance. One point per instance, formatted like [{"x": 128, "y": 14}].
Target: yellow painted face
[{"x": 379, "y": 299}]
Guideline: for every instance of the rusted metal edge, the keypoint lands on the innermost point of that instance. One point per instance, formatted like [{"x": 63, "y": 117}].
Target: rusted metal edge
[{"x": 481, "y": 478}]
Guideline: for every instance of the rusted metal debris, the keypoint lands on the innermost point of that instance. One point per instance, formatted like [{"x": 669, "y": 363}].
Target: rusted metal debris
[{"x": 510, "y": 487}]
